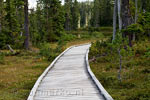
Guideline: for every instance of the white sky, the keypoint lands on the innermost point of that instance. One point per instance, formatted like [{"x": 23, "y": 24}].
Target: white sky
[{"x": 32, "y": 3}]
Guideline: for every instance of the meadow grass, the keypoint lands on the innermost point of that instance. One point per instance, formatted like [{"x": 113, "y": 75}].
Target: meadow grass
[
  {"x": 18, "y": 75},
  {"x": 135, "y": 84}
]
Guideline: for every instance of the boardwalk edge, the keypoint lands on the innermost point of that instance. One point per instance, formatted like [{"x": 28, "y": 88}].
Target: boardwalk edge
[
  {"x": 34, "y": 89},
  {"x": 97, "y": 83}
]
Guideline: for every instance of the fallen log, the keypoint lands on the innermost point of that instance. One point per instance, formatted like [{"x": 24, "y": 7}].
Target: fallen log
[{"x": 9, "y": 47}]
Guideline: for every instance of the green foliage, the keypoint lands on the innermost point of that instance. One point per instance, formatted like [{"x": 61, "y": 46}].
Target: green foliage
[
  {"x": 11, "y": 23},
  {"x": 48, "y": 21},
  {"x": 134, "y": 28},
  {"x": 116, "y": 51},
  {"x": 132, "y": 7},
  {"x": 135, "y": 72},
  {"x": 68, "y": 16},
  {"x": 47, "y": 52},
  {"x": 75, "y": 15},
  {"x": 102, "y": 13},
  {"x": 139, "y": 95},
  {"x": 3, "y": 40},
  {"x": 63, "y": 41},
  {"x": 98, "y": 49},
  {"x": 141, "y": 48},
  {"x": 147, "y": 54},
  {"x": 121, "y": 44},
  {"x": 97, "y": 34},
  {"x": 144, "y": 20},
  {"x": 45, "y": 49},
  {"x": 67, "y": 37}
]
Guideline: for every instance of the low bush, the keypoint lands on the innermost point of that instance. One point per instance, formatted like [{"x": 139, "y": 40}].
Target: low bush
[
  {"x": 98, "y": 49},
  {"x": 139, "y": 49},
  {"x": 47, "y": 52},
  {"x": 135, "y": 74},
  {"x": 97, "y": 34},
  {"x": 106, "y": 29},
  {"x": 67, "y": 37}
]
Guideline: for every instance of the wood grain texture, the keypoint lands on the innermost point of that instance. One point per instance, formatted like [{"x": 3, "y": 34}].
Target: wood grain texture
[{"x": 69, "y": 79}]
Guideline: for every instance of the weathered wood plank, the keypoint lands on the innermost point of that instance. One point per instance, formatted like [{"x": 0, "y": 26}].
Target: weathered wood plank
[{"x": 69, "y": 79}]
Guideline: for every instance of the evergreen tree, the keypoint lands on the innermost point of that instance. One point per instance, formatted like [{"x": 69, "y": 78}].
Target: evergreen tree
[
  {"x": 52, "y": 15},
  {"x": 68, "y": 16},
  {"x": 40, "y": 21},
  {"x": 86, "y": 13},
  {"x": 82, "y": 13},
  {"x": 102, "y": 13},
  {"x": 26, "y": 25},
  {"x": 75, "y": 15},
  {"x": 1, "y": 14},
  {"x": 34, "y": 37},
  {"x": 96, "y": 13},
  {"x": 12, "y": 27},
  {"x": 2, "y": 21}
]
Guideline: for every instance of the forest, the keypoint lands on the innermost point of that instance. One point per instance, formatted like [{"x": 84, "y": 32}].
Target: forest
[{"x": 118, "y": 30}]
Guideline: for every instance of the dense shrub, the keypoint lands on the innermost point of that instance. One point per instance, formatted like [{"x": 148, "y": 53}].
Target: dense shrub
[
  {"x": 144, "y": 20},
  {"x": 67, "y": 37},
  {"x": 97, "y": 34},
  {"x": 16, "y": 43},
  {"x": 98, "y": 49},
  {"x": 47, "y": 52},
  {"x": 3, "y": 40},
  {"x": 135, "y": 72},
  {"x": 106, "y": 29},
  {"x": 136, "y": 29}
]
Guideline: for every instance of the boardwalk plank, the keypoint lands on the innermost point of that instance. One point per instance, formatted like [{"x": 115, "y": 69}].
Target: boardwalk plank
[{"x": 68, "y": 79}]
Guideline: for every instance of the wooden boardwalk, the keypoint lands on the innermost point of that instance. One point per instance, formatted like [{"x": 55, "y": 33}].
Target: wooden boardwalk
[{"x": 68, "y": 79}]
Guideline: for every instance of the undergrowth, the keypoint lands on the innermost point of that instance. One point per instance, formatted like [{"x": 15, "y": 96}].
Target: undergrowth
[{"x": 135, "y": 71}]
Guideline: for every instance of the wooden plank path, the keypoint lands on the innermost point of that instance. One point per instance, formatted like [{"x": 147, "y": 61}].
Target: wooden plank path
[{"x": 67, "y": 79}]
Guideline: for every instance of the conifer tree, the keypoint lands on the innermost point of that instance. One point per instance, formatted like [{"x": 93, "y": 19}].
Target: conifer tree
[
  {"x": 75, "y": 15},
  {"x": 52, "y": 14},
  {"x": 12, "y": 28},
  {"x": 26, "y": 25},
  {"x": 68, "y": 16}
]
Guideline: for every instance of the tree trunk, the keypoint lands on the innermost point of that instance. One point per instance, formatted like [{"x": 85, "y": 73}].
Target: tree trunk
[
  {"x": 1, "y": 8},
  {"x": 120, "y": 63},
  {"x": 26, "y": 25},
  {"x": 126, "y": 14},
  {"x": 67, "y": 23},
  {"x": 136, "y": 10},
  {"x": 134, "y": 36},
  {"x": 119, "y": 15},
  {"x": 79, "y": 24},
  {"x": 11, "y": 50},
  {"x": 126, "y": 18},
  {"x": 86, "y": 20},
  {"x": 114, "y": 19},
  {"x": 130, "y": 39},
  {"x": 97, "y": 19},
  {"x": 149, "y": 33},
  {"x": 0, "y": 26},
  {"x": 136, "y": 17},
  {"x": 0, "y": 17}
]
